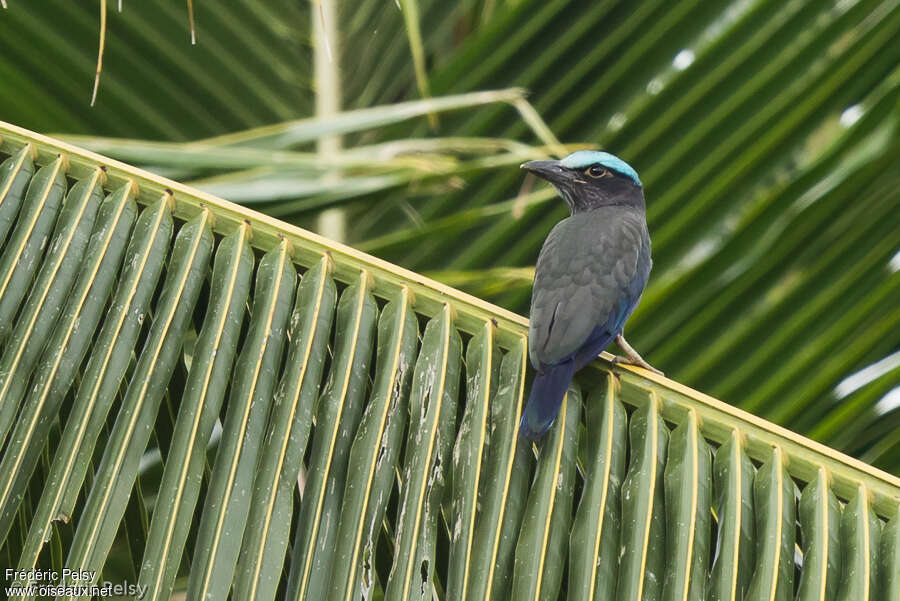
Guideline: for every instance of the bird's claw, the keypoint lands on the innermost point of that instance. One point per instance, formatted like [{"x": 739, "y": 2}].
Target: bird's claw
[
  {"x": 618, "y": 360},
  {"x": 633, "y": 358}
]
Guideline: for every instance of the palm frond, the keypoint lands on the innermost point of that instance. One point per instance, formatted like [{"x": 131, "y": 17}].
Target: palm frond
[{"x": 475, "y": 511}]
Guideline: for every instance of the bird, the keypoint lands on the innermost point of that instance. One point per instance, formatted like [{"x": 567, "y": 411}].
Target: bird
[{"x": 590, "y": 275}]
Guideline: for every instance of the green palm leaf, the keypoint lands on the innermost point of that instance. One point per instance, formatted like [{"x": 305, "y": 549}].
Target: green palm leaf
[{"x": 766, "y": 134}]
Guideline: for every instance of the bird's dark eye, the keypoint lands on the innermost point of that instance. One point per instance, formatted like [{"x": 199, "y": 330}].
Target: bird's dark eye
[{"x": 597, "y": 171}]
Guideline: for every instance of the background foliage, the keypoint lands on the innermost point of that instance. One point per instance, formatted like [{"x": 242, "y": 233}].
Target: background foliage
[{"x": 765, "y": 133}]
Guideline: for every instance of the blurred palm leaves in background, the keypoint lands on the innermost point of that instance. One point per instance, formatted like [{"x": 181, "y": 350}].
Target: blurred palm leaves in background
[{"x": 765, "y": 133}]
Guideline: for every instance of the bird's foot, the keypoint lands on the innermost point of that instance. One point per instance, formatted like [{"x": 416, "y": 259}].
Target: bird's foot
[
  {"x": 632, "y": 358},
  {"x": 619, "y": 360}
]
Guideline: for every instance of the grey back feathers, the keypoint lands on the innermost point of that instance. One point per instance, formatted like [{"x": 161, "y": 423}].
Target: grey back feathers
[{"x": 590, "y": 269}]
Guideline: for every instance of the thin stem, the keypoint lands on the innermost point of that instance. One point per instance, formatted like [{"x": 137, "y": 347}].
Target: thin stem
[
  {"x": 190, "y": 6},
  {"x": 332, "y": 222},
  {"x": 100, "y": 50}
]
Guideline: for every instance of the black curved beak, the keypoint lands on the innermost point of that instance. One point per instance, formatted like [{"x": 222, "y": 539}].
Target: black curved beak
[{"x": 551, "y": 171}]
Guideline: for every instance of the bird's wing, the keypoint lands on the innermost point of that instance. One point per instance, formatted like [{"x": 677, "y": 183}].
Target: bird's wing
[{"x": 586, "y": 276}]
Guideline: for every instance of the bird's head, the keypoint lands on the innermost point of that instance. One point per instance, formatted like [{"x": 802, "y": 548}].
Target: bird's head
[{"x": 588, "y": 179}]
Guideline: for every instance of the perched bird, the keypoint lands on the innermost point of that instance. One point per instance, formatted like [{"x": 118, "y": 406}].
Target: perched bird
[{"x": 589, "y": 277}]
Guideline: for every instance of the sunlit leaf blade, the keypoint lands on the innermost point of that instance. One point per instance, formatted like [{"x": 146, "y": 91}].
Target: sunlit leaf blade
[
  {"x": 889, "y": 559},
  {"x": 469, "y": 457},
  {"x": 860, "y": 543},
  {"x": 423, "y": 154},
  {"x": 262, "y": 555},
  {"x": 542, "y": 545},
  {"x": 67, "y": 345},
  {"x": 129, "y": 437},
  {"x": 820, "y": 523},
  {"x": 733, "y": 559},
  {"x": 773, "y": 501},
  {"x": 688, "y": 486},
  {"x": 642, "y": 551},
  {"x": 143, "y": 264},
  {"x": 290, "y": 134},
  {"x": 22, "y": 252},
  {"x": 594, "y": 541},
  {"x": 211, "y": 362},
  {"x": 507, "y": 477},
  {"x": 433, "y": 401},
  {"x": 375, "y": 453},
  {"x": 15, "y": 173},
  {"x": 337, "y": 417},
  {"x": 47, "y": 296},
  {"x": 231, "y": 486}
]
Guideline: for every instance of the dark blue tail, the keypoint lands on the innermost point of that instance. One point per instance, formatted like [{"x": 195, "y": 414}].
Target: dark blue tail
[{"x": 547, "y": 392}]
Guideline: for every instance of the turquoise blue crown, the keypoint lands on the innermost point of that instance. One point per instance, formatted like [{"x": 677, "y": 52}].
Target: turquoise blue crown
[{"x": 582, "y": 159}]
